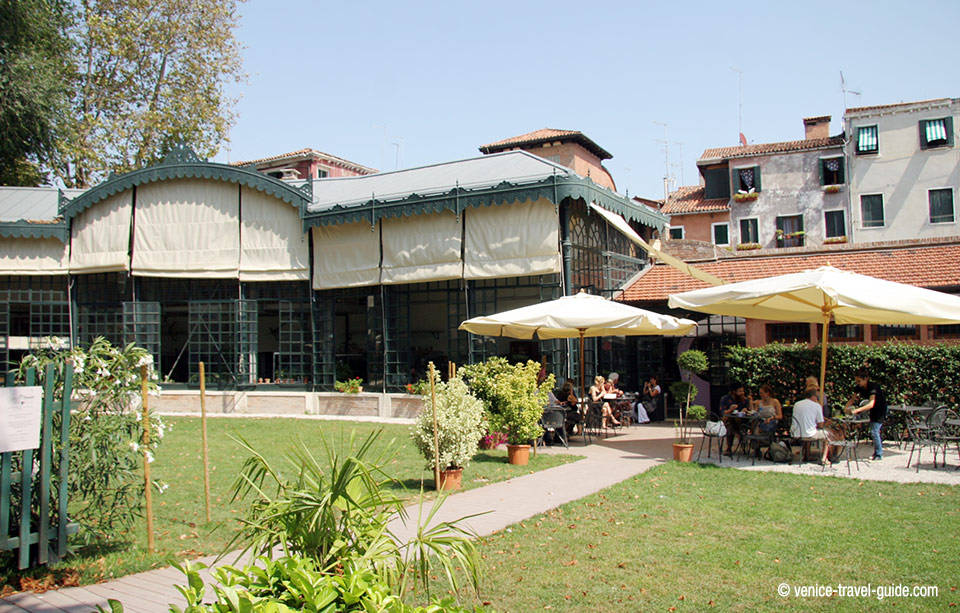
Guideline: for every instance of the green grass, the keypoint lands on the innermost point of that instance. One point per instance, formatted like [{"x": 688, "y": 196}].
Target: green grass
[
  {"x": 179, "y": 520},
  {"x": 700, "y": 537}
]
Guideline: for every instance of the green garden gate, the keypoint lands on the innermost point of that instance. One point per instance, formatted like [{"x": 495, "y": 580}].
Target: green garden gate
[{"x": 33, "y": 483}]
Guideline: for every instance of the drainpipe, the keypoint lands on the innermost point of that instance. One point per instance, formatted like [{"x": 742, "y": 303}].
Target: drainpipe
[{"x": 566, "y": 248}]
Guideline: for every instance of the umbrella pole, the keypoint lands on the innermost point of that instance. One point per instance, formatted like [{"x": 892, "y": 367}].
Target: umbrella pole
[
  {"x": 582, "y": 389},
  {"x": 823, "y": 358}
]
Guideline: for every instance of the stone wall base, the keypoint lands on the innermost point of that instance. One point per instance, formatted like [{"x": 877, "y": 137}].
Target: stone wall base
[{"x": 367, "y": 405}]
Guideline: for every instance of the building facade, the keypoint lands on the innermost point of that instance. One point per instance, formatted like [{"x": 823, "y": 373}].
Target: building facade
[
  {"x": 305, "y": 283},
  {"x": 904, "y": 170}
]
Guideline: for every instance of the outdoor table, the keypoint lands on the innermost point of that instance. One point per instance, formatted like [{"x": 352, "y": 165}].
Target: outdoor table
[
  {"x": 740, "y": 417},
  {"x": 856, "y": 424}
]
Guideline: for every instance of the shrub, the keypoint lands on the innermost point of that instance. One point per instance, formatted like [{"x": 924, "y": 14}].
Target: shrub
[
  {"x": 106, "y": 431},
  {"x": 510, "y": 393},
  {"x": 349, "y": 386},
  {"x": 693, "y": 362},
  {"x": 459, "y": 424}
]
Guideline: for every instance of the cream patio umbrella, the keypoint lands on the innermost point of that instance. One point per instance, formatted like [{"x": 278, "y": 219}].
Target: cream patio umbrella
[
  {"x": 822, "y": 295},
  {"x": 577, "y": 316}
]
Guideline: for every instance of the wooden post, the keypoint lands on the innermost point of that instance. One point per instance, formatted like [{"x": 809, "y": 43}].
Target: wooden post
[
  {"x": 436, "y": 433},
  {"x": 203, "y": 429},
  {"x": 146, "y": 458}
]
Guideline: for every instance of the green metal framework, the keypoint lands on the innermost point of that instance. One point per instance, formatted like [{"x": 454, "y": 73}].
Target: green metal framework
[
  {"x": 4, "y": 336},
  {"x": 323, "y": 313},
  {"x": 48, "y": 317},
  {"x": 604, "y": 260},
  {"x": 223, "y": 335},
  {"x": 295, "y": 358},
  {"x": 141, "y": 326},
  {"x": 104, "y": 320},
  {"x": 396, "y": 338}
]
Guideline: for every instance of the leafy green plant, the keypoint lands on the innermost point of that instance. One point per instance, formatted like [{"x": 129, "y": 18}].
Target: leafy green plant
[
  {"x": 349, "y": 386},
  {"x": 693, "y": 362},
  {"x": 106, "y": 430},
  {"x": 459, "y": 424},
  {"x": 510, "y": 393},
  {"x": 337, "y": 515}
]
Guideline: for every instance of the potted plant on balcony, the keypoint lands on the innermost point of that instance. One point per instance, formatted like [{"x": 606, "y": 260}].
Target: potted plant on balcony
[
  {"x": 745, "y": 196},
  {"x": 833, "y": 240},
  {"x": 459, "y": 419},
  {"x": 513, "y": 400},
  {"x": 832, "y": 189},
  {"x": 692, "y": 362},
  {"x": 748, "y": 246}
]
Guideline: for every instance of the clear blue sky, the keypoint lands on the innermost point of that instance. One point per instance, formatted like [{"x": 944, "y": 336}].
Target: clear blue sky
[{"x": 443, "y": 78}]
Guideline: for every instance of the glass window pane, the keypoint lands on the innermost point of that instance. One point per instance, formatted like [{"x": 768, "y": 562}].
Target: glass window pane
[
  {"x": 676, "y": 233},
  {"x": 941, "y": 205},
  {"x": 749, "y": 231},
  {"x": 835, "y": 224},
  {"x": 871, "y": 209},
  {"x": 721, "y": 234}
]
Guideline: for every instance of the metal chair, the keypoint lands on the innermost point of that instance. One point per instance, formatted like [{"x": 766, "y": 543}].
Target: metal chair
[
  {"x": 709, "y": 437},
  {"x": 920, "y": 437},
  {"x": 553, "y": 420},
  {"x": 946, "y": 433}
]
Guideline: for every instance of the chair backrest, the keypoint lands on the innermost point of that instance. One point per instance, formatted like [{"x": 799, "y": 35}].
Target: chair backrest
[
  {"x": 552, "y": 418},
  {"x": 935, "y": 420}
]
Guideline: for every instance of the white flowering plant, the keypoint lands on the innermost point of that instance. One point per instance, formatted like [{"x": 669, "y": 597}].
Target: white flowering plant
[
  {"x": 106, "y": 430},
  {"x": 459, "y": 424}
]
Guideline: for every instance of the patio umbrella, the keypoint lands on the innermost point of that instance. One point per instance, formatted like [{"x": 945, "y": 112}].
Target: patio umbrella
[
  {"x": 577, "y": 316},
  {"x": 822, "y": 295}
]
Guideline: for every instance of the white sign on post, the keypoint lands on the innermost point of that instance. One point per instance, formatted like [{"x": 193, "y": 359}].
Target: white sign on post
[{"x": 20, "y": 413}]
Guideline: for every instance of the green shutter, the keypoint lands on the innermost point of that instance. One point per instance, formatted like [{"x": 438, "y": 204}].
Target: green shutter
[
  {"x": 800, "y": 225},
  {"x": 842, "y": 177},
  {"x": 948, "y": 124},
  {"x": 734, "y": 181},
  {"x": 823, "y": 172},
  {"x": 756, "y": 178},
  {"x": 923, "y": 134}
]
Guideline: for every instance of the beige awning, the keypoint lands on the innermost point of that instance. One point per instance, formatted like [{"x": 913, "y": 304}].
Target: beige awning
[
  {"x": 273, "y": 245},
  {"x": 422, "y": 248},
  {"x": 346, "y": 255},
  {"x": 511, "y": 240},
  {"x": 32, "y": 256}
]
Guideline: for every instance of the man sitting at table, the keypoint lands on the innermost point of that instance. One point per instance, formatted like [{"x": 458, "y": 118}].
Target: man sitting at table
[
  {"x": 730, "y": 403},
  {"x": 808, "y": 423}
]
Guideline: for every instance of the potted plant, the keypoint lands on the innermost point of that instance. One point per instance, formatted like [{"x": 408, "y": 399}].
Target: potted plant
[
  {"x": 747, "y": 246},
  {"x": 833, "y": 240},
  {"x": 459, "y": 426},
  {"x": 832, "y": 189},
  {"x": 350, "y": 386},
  {"x": 692, "y": 362},
  {"x": 742, "y": 196},
  {"x": 513, "y": 400}
]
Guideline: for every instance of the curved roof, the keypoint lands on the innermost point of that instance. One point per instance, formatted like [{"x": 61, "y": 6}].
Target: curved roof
[
  {"x": 182, "y": 163},
  {"x": 483, "y": 181}
]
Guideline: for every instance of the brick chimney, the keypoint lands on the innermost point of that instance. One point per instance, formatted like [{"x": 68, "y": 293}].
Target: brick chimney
[{"x": 816, "y": 127}]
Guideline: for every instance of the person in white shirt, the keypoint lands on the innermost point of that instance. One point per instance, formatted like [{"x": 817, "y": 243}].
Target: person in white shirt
[{"x": 808, "y": 423}]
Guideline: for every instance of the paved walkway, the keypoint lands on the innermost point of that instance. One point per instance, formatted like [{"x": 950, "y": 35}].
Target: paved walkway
[{"x": 607, "y": 462}]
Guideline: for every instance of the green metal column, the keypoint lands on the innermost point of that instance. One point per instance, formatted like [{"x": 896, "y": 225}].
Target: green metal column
[{"x": 322, "y": 307}]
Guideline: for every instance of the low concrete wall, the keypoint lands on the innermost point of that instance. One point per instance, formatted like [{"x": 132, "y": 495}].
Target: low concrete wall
[{"x": 278, "y": 402}]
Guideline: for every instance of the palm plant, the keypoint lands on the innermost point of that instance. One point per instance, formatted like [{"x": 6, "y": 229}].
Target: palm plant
[{"x": 337, "y": 513}]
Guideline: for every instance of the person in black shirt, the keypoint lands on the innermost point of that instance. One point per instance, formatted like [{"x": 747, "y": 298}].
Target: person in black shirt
[
  {"x": 736, "y": 400},
  {"x": 876, "y": 403}
]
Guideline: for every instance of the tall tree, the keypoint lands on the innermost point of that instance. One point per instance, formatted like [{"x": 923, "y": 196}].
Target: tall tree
[
  {"x": 34, "y": 83},
  {"x": 150, "y": 74}
]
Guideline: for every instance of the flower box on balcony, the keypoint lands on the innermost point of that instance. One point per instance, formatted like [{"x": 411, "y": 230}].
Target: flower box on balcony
[
  {"x": 833, "y": 240},
  {"x": 745, "y": 196},
  {"x": 748, "y": 246},
  {"x": 832, "y": 189}
]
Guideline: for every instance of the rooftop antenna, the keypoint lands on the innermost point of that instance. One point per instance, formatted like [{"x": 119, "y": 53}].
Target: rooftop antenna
[
  {"x": 680, "y": 147},
  {"x": 739, "y": 104},
  {"x": 843, "y": 88},
  {"x": 396, "y": 161},
  {"x": 666, "y": 160}
]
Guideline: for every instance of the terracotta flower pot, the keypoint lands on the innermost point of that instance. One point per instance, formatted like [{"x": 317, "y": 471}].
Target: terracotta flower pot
[
  {"x": 682, "y": 453},
  {"x": 518, "y": 455},
  {"x": 451, "y": 479}
]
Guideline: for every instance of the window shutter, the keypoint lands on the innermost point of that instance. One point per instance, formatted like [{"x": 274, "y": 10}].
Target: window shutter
[
  {"x": 799, "y": 223},
  {"x": 823, "y": 172},
  {"x": 756, "y": 178},
  {"x": 841, "y": 177},
  {"x": 948, "y": 124},
  {"x": 923, "y": 134},
  {"x": 734, "y": 181}
]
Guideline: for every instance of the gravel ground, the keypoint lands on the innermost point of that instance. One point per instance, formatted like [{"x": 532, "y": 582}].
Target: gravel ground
[{"x": 893, "y": 467}]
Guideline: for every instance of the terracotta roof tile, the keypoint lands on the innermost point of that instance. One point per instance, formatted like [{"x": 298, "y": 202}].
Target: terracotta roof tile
[
  {"x": 932, "y": 266},
  {"x": 308, "y": 152},
  {"x": 768, "y": 148},
  {"x": 689, "y": 199},
  {"x": 547, "y": 135}
]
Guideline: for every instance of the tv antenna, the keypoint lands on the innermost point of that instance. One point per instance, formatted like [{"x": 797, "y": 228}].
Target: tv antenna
[{"x": 843, "y": 88}]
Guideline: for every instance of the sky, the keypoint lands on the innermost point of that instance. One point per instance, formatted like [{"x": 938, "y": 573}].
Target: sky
[{"x": 405, "y": 84}]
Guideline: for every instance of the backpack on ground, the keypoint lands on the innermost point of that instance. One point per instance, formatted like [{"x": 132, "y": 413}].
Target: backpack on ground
[{"x": 779, "y": 452}]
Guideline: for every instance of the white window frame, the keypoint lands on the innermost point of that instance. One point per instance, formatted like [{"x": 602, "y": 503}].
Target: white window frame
[
  {"x": 682, "y": 233},
  {"x": 883, "y": 204},
  {"x": 740, "y": 233},
  {"x": 736, "y": 188},
  {"x": 953, "y": 200},
  {"x": 325, "y": 169},
  {"x": 713, "y": 233},
  {"x": 841, "y": 210}
]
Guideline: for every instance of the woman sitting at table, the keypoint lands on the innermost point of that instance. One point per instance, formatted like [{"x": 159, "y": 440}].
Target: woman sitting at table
[
  {"x": 768, "y": 409},
  {"x": 597, "y": 391}
]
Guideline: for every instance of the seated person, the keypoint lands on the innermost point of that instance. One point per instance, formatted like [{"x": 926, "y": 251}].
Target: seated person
[
  {"x": 769, "y": 410},
  {"x": 648, "y": 400},
  {"x": 612, "y": 387},
  {"x": 597, "y": 391},
  {"x": 730, "y": 403},
  {"x": 808, "y": 423},
  {"x": 812, "y": 381}
]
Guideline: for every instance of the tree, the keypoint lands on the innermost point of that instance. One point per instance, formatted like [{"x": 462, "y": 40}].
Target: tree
[
  {"x": 34, "y": 84},
  {"x": 151, "y": 74}
]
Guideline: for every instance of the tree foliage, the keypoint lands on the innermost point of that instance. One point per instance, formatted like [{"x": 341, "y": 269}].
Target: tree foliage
[
  {"x": 34, "y": 85},
  {"x": 150, "y": 74}
]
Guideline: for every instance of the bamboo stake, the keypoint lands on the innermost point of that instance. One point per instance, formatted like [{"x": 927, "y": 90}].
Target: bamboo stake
[
  {"x": 436, "y": 434},
  {"x": 203, "y": 429},
  {"x": 148, "y": 494}
]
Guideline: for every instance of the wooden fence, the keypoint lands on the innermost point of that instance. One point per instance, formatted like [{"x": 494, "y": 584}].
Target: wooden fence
[{"x": 32, "y": 518}]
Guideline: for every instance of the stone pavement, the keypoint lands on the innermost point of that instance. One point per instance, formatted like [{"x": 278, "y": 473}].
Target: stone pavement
[{"x": 607, "y": 462}]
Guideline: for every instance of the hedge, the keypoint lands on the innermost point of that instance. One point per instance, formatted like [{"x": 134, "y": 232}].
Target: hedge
[{"x": 908, "y": 373}]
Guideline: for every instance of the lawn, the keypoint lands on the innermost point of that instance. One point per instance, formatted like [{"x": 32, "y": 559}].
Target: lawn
[
  {"x": 687, "y": 537},
  {"x": 179, "y": 521}
]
